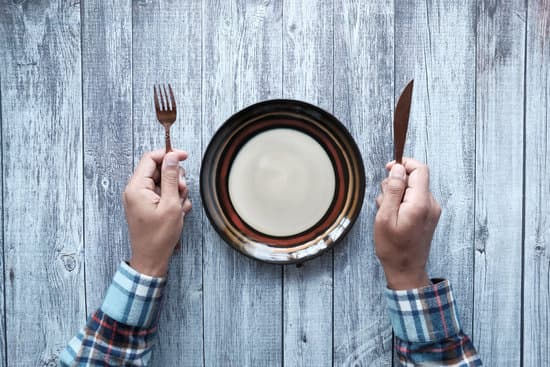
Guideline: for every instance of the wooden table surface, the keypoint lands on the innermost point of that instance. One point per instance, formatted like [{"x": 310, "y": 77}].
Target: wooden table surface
[{"x": 77, "y": 114}]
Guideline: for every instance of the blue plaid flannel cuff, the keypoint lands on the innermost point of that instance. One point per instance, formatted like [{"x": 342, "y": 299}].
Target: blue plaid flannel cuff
[
  {"x": 134, "y": 299},
  {"x": 425, "y": 314}
]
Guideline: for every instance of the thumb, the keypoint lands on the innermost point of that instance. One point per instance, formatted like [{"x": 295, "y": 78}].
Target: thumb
[
  {"x": 169, "y": 178},
  {"x": 393, "y": 194}
]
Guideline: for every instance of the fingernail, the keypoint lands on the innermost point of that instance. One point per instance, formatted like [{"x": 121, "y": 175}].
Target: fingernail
[
  {"x": 398, "y": 171},
  {"x": 171, "y": 160}
]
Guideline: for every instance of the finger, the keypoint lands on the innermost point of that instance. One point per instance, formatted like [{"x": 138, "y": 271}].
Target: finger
[
  {"x": 410, "y": 164},
  {"x": 418, "y": 173},
  {"x": 184, "y": 195},
  {"x": 379, "y": 200},
  {"x": 393, "y": 194},
  {"x": 419, "y": 179},
  {"x": 148, "y": 183},
  {"x": 149, "y": 196},
  {"x": 416, "y": 196},
  {"x": 145, "y": 168},
  {"x": 187, "y": 206},
  {"x": 184, "y": 192},
  {"x": 384, "y": 184},
  {"x": 155, "y": 199},
  {"x": 409, "y": 194},
  {"x": 158, "y": 155},
  {"x": 148, "y": 163},
  {"x": 183, "y": 184},
  {"x": 169, "y": 190},
  {"x": 156, "y": 174}
]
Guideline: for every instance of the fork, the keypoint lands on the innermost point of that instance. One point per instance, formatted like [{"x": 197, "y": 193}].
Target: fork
[
  {"x": 166, "y": 111},
  {"x": 166, "y": 114}
]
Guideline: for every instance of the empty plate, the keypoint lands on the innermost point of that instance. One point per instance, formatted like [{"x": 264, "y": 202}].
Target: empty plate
[{"x": 281, "y": 181}]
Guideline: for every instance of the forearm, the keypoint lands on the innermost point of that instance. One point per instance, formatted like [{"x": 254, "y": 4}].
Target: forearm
[
  {"x": 427, "y": 328},
  {"x": 122, "y": 331}
]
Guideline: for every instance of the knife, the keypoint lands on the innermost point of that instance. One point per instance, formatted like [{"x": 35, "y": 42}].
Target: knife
[{"x": 401, "y": 121}]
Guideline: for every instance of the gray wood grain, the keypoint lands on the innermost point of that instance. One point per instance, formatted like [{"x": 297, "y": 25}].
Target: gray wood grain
[
  {"x": 87, "y": 128},
  {"x": 42, "y": 175},
  {"x": 167, "y": 49},
  {"x": 3, "y": 352},
  {"x": 107, "y": 110},
  {"x": 242, "y": 64},
  {"x": 363, "y": 101},
  {"x": 536, "y": 348},
  {"x": 442, "y": 127},
  {"x": 499, "y": 180},
  {"x": 307, "y": 75}
]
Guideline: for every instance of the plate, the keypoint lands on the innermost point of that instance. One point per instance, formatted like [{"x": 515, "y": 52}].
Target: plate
[{"x": 282, "y": 181}]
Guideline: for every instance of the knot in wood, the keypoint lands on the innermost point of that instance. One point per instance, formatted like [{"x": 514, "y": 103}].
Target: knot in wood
[{"x": 69, "y": 262}]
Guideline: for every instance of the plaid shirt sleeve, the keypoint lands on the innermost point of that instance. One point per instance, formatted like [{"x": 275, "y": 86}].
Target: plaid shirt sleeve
[
  {"x": 427, "y": 328},
  {"x": 122, "y": 331}
]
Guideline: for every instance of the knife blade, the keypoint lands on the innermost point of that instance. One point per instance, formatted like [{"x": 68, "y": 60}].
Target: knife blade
[{"x": 401, "y": 121}]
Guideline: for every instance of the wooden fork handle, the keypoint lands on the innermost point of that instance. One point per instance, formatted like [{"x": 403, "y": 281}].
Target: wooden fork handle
[{"x": 167, "y": 139}]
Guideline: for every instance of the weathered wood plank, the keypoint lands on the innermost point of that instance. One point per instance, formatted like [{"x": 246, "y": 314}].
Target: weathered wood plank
[
  {"x": 307, "y": 75},
  {"x": 499, "y": 180},
  {"x": 107, "y": 110},
  {"x": 3, "y": 352},
  {"x": 242, "y": 64},
  {"x": 167, "y": 49},
  {"x": 536, "y": 349},
  {"x": 442, "y": 127},
  {"x": 42, "y": 175},
  {"x": 363, "y": 98}
]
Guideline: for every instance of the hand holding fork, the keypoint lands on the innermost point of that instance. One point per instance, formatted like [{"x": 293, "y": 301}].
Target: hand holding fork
[{"x": 165, "y": 107}]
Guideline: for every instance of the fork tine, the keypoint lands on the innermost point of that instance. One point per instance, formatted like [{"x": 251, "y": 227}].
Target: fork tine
[
  {"x": 157, "y": 106},
  {"x": 166, "y": 98},
  {"x": 172, "y": 99},
  {"x": 162, "y": 97}
]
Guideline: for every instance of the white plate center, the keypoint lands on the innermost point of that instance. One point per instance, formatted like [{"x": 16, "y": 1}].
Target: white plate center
[{"x": 281, "y": 182}]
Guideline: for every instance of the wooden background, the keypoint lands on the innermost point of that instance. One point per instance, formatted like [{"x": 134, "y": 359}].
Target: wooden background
[{"x": 76, "y": 114}]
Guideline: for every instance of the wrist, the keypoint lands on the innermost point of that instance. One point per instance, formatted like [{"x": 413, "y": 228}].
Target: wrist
[
  {"x": 153, "y": 269},
  {"x": 403, "y": 280}
]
